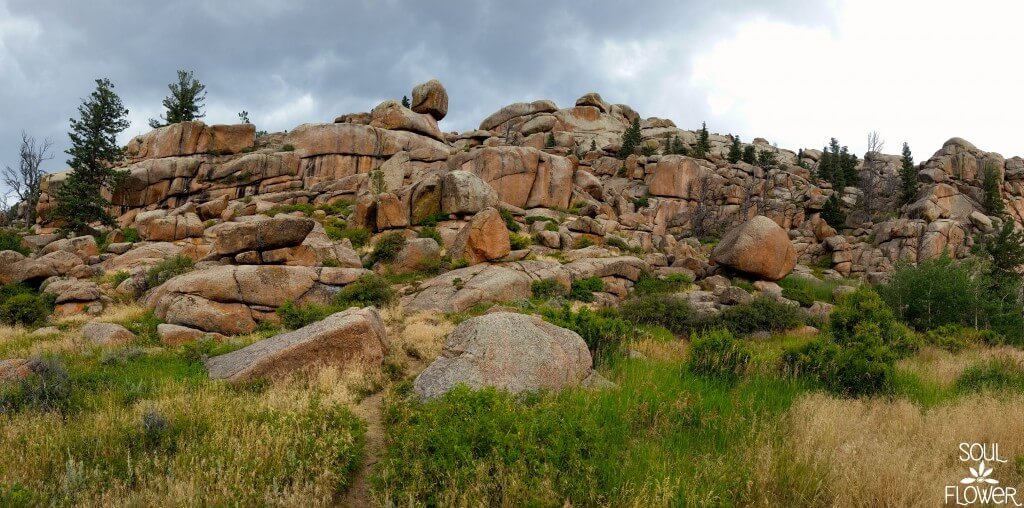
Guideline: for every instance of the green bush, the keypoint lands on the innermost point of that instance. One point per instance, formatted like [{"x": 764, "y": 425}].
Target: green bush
[
  {"x": 763, "y": 314},
  {"x": 48, "y": 387},
  {"x": 430, "y": 232},
  {"x": 993, "y": 374},
  {"x": 603, "y": 331},
  {"x": 865, "y": 307},
  {"x": 584, "y": 242},
  {"x": 675, "y": 314},
  {"x": 118, "y": 277},
  {"x": 718, "y": 353},
  {"x": 584, "y": 289},
  {"x": 547, "y": 288},
  {"x": 510, "y": 220},
  {"x": 648, "y": 284},
  {"x": 358, "y": 236},
  {"x": 386, "y": 249},
  {"x": 806, "y": 290},
  {"x": 131, "y": 235},
  {"x": 621, "y": 244},
  {"x": 519, "y": 242},
  {"x": 168, "y": 269},
  {"x": 294, "y": 317},
  {"x": 368, "y": 290},
  {"x": 27, "y": 309},
  {"x": 10, "y": 240},
  {"x": 432, "y": 220},
  {"x": 952, "y": 338}
]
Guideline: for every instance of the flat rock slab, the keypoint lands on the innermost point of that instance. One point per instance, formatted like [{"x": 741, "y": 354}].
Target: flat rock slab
[{"x": 353, "y": 335}]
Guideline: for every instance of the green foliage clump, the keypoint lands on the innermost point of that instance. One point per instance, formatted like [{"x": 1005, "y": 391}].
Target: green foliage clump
[
  {"x": 603, "y": 331},
  {"x": 549, "y": 141},
  {"x": 510, "y": 220},
  {"x": 26, "y": 309},
  {"x": 294, "y": 317},
  {"x": 432, "y": 220},
  {"x": 908, "y": 175},
  {"x": 993, "y": 374},
  {"x": 674, "y": 314},
  {"x": 430, "y": 232},
  {"x": 94, "y": 150},
  {"x": 386, "y": 249},
  {"x": 358, "y": 236},
  {"x": 630, "y": 139},
  {"x": 583, "y": 289},
  {"x": 370, "y": 289},
  {"x": 583, "y": 242},
  {"x": 718, "y": 353},
  {"x": 806, "y": 290},
  {"x": 547, "y": 288},
  {"x": 767, "y": 159},
  {"x": 131, "y": 235},
  {"x": 762, "y": 314},
  {"x": 519, "y": 242},
  {"x": 168, "y": 269},
  {"x": 185, "y": 102},
  {"x": 675, "y": 146},
  {"x": 703, "y": 147},
  {"x": 118, "y": 277},
  {"x": 750, "y": 154},
  {"x": 648, "y": 284},
  {"x": 620, "y": 243},
  {"x": 837, "y": 166},
  {"x": 10, "y": 240},
  {"x": 48, "y": 387},
  {"x": 991, "y": 187},
  {"x": 832, "y": 212},
  {"x": 735, "y": 150}
]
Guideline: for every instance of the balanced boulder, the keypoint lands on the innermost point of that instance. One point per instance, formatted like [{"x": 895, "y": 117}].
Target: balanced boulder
[
  {"x": 430, "y": 98},
  {"x": 758, "y": 247},
  {"x": 484, "y": 238}
]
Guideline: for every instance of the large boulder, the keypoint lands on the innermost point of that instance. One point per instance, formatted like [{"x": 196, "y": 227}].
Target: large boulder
[
  {"x": 758, "y": 247},
  {"x": 107, "y": 334},
  {"x": 516, "y": 110},
  {"x": 392, "y": 115},
  {"x": 430, "y": 98},
  {"x": 353, "y": 335},
  {"x": 259, "y": 233},
  {"x": 508, "y": 351},
  {"x": 675, "y": 176},
  {"x": 524, "y": 177},
  {"x": 463, "y": 192},
  {"x": 187, "y": 138},
  {"x": 417, "y": 254},
  {"x": 484, "y": 238},
  {"x": 461, "y": 289}
]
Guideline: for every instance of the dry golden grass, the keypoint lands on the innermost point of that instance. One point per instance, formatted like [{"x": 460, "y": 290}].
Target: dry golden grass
[
  {"x": 420, "y": 336},
  {"x": 662, "y": 351},
  {"x": 943, "y": 368},
  {"x": 883, "y": 452}
]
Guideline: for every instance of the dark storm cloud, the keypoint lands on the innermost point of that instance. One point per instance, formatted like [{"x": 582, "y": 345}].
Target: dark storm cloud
[{"x": 289, "y": 62}]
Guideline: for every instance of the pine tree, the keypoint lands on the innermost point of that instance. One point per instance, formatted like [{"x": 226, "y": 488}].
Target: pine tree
[
  {"x": 185, "y": 102},
  {"x": 93, "y": 151},
  {"x": 750, "y": 154},
  {"x": 908, "y": 175},
  {"x": 990, "y": 186},
  {"x": 735, "y": 151},
  {"x": 832, "y": 212},
  {"x": 405, "y": 102},
  {"x": 593, "y": 145},
  {"x": 243, "y": 116},
  {"x": 703, "y": 143},
  {"x": 630, "y": 139},
  {"x": 837, "y": 165},
  {"x": 549, "y": 142}
]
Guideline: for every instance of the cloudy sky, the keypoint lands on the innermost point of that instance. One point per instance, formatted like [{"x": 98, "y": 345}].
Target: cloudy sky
[{"x": 793, "y": 71}]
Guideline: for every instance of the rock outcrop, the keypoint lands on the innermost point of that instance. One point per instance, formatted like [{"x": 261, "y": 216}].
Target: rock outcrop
[{"x": 758, "y": 247}]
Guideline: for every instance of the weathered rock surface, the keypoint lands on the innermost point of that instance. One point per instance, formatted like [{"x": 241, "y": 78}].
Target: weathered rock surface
[
  {"x": 508, "y": 351},
  {"x": 483, "y": 238},
  {"x": 350, "y": 336},
  {"x": 430, "y": 98},
  {"x": 758, "y": 247},
  {"x": 106, "y": 334},
  {"x": 258, "y": 233}
]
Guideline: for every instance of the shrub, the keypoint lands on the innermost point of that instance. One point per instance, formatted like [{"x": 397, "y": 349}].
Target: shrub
[
  {"x": 584, "y": 242},
  {"x": 604, "y": 331},
  {"x": 168, "y": 269},
  {"x": 551, "y": 226},
  {"x": 430, "y": 232},
  {"x": 288, "y": 148},
  {"x": 675, "y": 314},
  {"x": 864, "y": 307},
  {"x": 26, "y": 309},
  {"x": 118, "y": 277},
  {"x": 48, "y": 387},
  {"x": 358, "y": 236},
  {"x": 952, "y": 338},
  {"x": 584, "y": 289},
  {"x": 370, "y": 289},
  {"x": 510, "y": 221},
  {"x": 641, "y": 202},
  {"x": 718, "y": 353},
  {"x": 547, "y": 288},
  {"x": 763, "y": 314},
  {"x": 994, "y": 374},
  {"x": 648, "y": 284},
  {"x": 294, "y": 317},
  {"x": 519, "y": 242},
  {"x": 386, "y": 249},
  {"x": 434, "y": 219},
  {"x": 620, "y": 243},
  {"x": 10, "y": 240}
]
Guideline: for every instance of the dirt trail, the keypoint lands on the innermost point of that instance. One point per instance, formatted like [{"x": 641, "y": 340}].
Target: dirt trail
[{"x": 369, "y": 410}]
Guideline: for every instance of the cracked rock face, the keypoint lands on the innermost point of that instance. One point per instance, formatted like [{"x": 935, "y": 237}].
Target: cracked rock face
[{"x": 510, "y": 352}]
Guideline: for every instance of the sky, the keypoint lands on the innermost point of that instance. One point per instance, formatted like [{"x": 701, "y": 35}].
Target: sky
[{"x": 795, "y": 72}]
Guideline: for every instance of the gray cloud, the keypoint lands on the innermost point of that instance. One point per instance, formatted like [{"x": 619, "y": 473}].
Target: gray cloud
[{"x": 288, "y": 62}]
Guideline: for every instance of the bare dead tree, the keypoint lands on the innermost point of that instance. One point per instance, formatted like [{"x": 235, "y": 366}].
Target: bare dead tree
[
  {"x": 24, "y": 180},
  {"x": 875, "y": 143}
]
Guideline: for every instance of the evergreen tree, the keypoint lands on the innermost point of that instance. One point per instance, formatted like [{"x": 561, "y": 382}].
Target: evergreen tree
[
  {"x": 1004, "y": 249},
  {"x": 185, "y": 102},
  {"x": 593, "y": 145},
  {"x": 678, "y": 148},
  {"x": 832, "y": 212},
  {"x": 908, "y": 175},
  {"x": 766, "y": 159},
  {"x": 750, "y": 154},
  {"x": 243, "y": 116},
  {"x": 990, "y": 186},
  {"x": 405, "y": 101},
  {"x": 735, "y": 151},
  {"x": 703, "y": 144},
  {"x": 549, "y": 142},
  {"x": 837, "y": 165},
  {"x": 630, "y": 139},
  {"x": 93, "y": 152}
]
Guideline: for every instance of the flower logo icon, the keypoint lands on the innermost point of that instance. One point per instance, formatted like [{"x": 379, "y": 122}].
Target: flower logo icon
[{"x": 980, "y": 475}]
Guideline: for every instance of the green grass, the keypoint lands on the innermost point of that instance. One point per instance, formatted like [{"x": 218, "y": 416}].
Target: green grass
[
  {"x": 807, "y": 290},
  {"x": 664, "y": 437}
]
